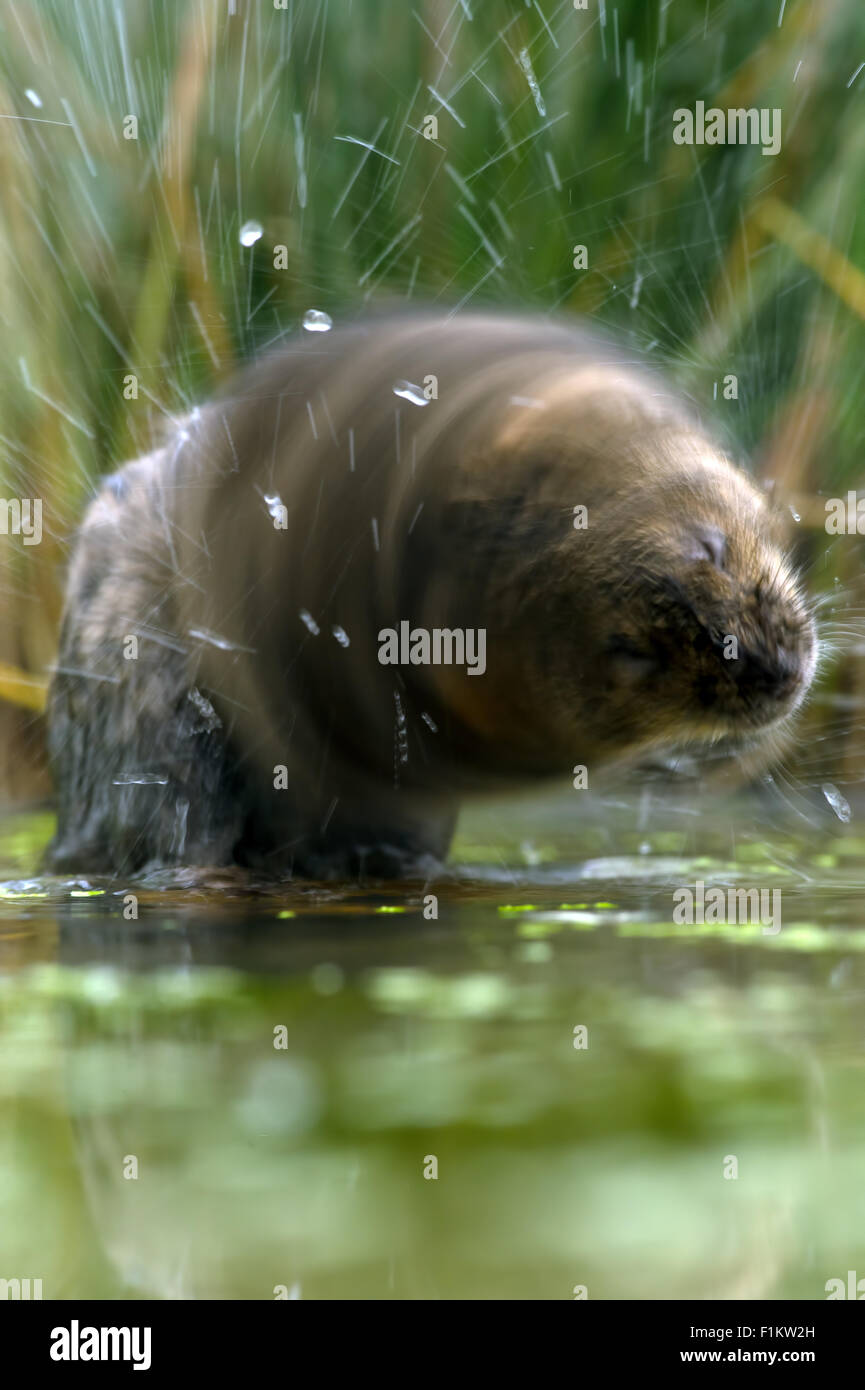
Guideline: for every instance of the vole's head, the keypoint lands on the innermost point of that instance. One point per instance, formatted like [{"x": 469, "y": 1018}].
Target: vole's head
[
  {"x": 666, "y": 617},
  {"x": 698, "y": 633}
]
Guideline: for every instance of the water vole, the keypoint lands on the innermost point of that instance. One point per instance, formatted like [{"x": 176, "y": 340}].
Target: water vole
[{"x": 261, "y": 558}]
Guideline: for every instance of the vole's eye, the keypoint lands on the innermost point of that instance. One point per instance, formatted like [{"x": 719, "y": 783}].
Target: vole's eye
[
  {"x": 708, "y": 543},
  {"x": 628, "y": 658}
]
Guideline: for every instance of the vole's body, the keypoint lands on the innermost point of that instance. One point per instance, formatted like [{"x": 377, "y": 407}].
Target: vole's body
[{"x": 258, "y": 642}]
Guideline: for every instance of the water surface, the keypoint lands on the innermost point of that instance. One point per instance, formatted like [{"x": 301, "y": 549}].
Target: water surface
[{"x": 282, "y": 1067}]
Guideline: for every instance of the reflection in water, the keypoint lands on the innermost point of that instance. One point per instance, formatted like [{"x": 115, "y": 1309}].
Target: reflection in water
[{"x": 547, "y": 1084}]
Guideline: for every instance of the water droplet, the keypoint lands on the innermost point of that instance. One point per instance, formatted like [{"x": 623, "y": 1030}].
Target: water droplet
[
  {"x": 33, "y": 97},
  {"x": 210, "y": 719},
  {"x": 839, "y": 804},
  {"x": 341, "y": 636},
  {"x": 408, "y": 392},
  {"x": 310, "y": 622},
  {"x": 526, "y": 65},
  {"x": 317, "y": 321},
  {"x": 274, "y": 504},
  {"x": 214, "y": 639},
  {"x": 795, "y": 515},
  {"x": 250, "y": 233}
]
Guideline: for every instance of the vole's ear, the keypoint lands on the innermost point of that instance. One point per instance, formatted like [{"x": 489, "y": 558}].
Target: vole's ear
[{"x": 706, "y": 542}]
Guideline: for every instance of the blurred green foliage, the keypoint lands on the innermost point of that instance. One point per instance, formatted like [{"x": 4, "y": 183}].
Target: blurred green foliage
[
  {"x": 124, "y": 254},
  {"x": 555, "y": 124}
]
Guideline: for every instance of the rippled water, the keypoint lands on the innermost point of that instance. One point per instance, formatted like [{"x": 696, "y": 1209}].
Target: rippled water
[{"x": 281, "y": 1067}]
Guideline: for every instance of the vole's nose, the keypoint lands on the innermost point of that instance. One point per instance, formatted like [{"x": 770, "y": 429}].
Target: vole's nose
[
  {"x": 769, "y": 674},
  {"x": 774, "y": 663}
]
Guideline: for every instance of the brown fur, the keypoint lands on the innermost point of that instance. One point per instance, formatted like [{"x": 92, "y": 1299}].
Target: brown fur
[{"x": 604, "y": 645}]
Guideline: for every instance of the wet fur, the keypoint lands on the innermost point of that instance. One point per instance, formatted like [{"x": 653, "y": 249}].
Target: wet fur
[{"x": 604, "y": 646}]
